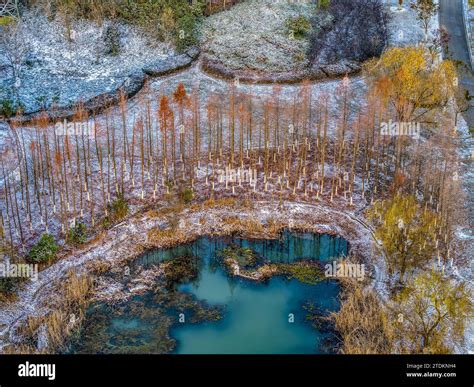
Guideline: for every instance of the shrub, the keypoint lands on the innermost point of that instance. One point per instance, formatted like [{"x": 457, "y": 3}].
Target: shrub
[
  {"x": 117, "y": 210},
  {"x": 6, "y": 20},
  {"x": 77, "y": 234},
  {"x": 186, "y": 195},
  {"x": 7, "y": 108},
  {"x": 179, "y": 15},
  {"x": 400, "y": 219},
  {"x": 167, "y": 24},
  {"x": 106, "y": 222},
  {"x": 432, "y": 314},
  {"x": 324, "y": 3},
  {"x": 8, "y": 285},
  {"x": 245, "y": 257},
  {"x": 186, "y": 32},
  {"x": 299, "y": 26},
  {"x": 44, "y": 250},
  {"x": 112, "y": 40}
]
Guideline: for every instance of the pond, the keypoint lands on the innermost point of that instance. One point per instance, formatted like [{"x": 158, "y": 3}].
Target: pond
[{"x": 215, "y": 312}]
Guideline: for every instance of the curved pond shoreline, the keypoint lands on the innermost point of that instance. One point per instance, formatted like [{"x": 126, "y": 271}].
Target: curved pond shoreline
[
  {"x": 129, "y": 239},
  {"x": 214, "y": 311}
]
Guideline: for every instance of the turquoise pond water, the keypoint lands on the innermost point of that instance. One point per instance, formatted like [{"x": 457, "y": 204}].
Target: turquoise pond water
[{"x": 257, "y": 318}]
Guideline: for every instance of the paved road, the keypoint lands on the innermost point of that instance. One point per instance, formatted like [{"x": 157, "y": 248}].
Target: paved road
[{"x": 451, "y": 17}]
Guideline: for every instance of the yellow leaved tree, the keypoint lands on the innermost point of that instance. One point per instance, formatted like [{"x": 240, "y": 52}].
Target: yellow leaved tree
[
  {"x": 410, "y": 82},
  {"x": 431, "y": 314},
  {"x": 406, "y": 232}
]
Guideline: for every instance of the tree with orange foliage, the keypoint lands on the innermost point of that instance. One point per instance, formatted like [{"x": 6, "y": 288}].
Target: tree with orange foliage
[
  {"x": 182, "y": 100},
  {"x": 166, "y": 119}
]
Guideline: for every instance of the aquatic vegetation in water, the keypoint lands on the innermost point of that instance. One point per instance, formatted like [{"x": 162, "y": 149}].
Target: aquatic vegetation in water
[
  {"x": 245, "y": 262},
  {"x": 304, "y": 271},
  {"x": 181, "y": 269},
  {"x": 115, "y": 329},
  {"x": 243, "y": 256},
  {"x": 142, "y": 324}
]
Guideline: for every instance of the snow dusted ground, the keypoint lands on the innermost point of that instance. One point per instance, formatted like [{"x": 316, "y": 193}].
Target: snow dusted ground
[
  {"x": 195, "y": 79},
  {"x": 62, "y": 71},
  {"x": 466, "y": 234},
  {"x": 405, "y": 28},
  {"x": 253, "y": 36}
]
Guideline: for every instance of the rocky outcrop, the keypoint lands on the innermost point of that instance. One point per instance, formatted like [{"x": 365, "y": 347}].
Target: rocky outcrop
[
  {"x": 131, "y": 86},
  {"x": 172, "y": 64},
  {"x": 340, "y": 69}
]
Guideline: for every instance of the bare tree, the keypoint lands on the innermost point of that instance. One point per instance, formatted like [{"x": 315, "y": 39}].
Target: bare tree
[
  {"x": 349, "y": 29},
  {"x": 425, "y": 9},
  {"x": 14, "y": 44}
]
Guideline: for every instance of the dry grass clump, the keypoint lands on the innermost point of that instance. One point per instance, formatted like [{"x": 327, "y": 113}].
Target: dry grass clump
[
  {"x": 166, "y": 237},
  {"x": 243, "y": 226},
  {"x": 274, "y": 226},
  {"x": 194, "y": 207},
  {"x": 19, "y": 349},
  {"x": 96, "y": 238},
  {"x": 7, "y": 298},
  {"x": 362, "y": 322},
  {"x": 165, "y": 211},
  {"x": 66, "y": 318},
  {"x": 252, "y": 228},
  {"x": 222, "y": 202},
  {"x": 157, "y": 235},
  {"x": 172, "y": 209},
  {"x": 98, "y": 267},
  {"x": 77, "y": 290},
  {"x": 247, "y": 203},
  {"x": 153, "y": 213},
  {"x": 73, "y": 296}
]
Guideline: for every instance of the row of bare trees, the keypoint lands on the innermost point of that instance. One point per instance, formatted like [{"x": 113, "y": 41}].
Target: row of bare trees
[{"x": 313, "y": 147}]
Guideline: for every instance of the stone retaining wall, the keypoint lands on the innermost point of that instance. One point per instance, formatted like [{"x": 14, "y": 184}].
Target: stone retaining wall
[
  {"x": 131, "y": 86},
  {"x": 322, "y": 72}
]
